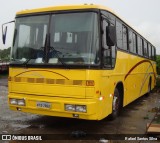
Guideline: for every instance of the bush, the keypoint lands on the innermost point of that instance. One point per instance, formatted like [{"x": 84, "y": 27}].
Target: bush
[
  {"x": 4, "y": 54},
  {"x": 158, "y": 64},
  {"x": 158, "y": 82}
]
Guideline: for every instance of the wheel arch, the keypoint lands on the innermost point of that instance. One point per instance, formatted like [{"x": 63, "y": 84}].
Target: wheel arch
[{"x": 120, "y": 88}]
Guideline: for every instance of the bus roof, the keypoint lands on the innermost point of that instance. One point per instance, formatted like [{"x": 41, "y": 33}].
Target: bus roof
[
  {"x": 60, "y": 8},
  {"x": 68, "y": 7}
]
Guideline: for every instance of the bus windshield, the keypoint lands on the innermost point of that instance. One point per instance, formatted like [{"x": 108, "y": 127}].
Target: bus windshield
[{"x": 71, "y": 38}]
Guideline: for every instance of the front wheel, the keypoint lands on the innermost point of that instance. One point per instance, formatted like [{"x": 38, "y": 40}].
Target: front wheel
[{"x": 116, "y": 104}]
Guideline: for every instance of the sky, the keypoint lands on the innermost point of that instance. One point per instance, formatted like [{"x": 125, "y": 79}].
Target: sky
[{"x": 143, "y": 15}]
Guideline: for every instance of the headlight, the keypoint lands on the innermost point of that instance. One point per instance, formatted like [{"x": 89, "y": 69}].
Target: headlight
[
  {"x": 76, "y": 108},
  {"x": 81, "y": 108},
  {"x": 69, "y": 107},
  {"x": 21, "y": 102},
  {"x": 13, "y": 101}
]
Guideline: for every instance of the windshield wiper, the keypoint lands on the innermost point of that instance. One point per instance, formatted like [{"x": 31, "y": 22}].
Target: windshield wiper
[
  {"x": 26, "y": 62},
  {"x": 59, "y": 59},
  {"x": 55, "y": 52}
]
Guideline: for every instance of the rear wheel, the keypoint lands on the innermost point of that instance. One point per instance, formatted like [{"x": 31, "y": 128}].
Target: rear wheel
[
  {"x": 149, "y": 87},
  {"x": 116, "y": 104}
]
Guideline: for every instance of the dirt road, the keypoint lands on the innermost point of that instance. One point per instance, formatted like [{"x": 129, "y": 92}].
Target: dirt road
[{"x": 132, "y": 120}]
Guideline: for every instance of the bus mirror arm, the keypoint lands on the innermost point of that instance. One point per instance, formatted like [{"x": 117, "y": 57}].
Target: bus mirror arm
[
  {"x": 110, "y": 35},
  {"x": 4, "y": 31}
]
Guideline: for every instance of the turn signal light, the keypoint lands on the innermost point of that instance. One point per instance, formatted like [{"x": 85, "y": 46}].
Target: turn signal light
[{"x": 90, "y": 83}]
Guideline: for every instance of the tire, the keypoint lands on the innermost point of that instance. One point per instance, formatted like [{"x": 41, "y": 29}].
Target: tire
[{"x": 116, "y": 105}]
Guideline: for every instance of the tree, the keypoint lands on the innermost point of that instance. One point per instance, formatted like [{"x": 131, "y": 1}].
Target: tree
[
  {"x": 4, "y": 54},
  {"x": 158, "y": 64}
]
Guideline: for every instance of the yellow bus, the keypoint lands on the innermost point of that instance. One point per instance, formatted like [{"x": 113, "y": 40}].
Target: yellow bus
[{"x": 79, "y": 61}]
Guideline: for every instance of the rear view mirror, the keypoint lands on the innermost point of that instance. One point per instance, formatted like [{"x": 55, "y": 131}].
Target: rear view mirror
[
  {"x": 4, "y": 33},
  {"x": 110, "y": 35}
]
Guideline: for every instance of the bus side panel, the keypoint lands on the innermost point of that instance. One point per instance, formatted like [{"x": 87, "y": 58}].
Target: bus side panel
[{"x": 106, "y": 91}]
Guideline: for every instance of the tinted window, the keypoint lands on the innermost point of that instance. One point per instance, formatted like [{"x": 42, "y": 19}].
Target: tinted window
[
  {"x": 132, "y": 42},
  {"x": 153, "y": 53},
  {"x": 109, "y": 16},
  {"x": 125, "y": 31},
  {"x": 145, "y": 49},
  {"x": 105, "y": 24},
  {"x": 140, "y": 46},
  {"x": 150, "y": 51},
  {"x": 119, "y": 34},
  {"x": 109, "y": 53},
  {"x": 109, "y": 57}
]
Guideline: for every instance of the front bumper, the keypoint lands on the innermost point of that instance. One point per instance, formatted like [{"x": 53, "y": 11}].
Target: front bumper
[{"x": 57, "y": 107}]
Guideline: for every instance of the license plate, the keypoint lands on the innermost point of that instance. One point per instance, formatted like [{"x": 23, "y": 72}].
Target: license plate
[{"x": 45, "y": 105}]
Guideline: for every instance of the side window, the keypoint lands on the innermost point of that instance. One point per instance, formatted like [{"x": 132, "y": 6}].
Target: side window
[
  {"x": 145, "y": 49},
  {"x": 125, "y": 31},
  {"x": 119, "y": 34},
  {"x": 149, "y": 51},
  {"x": 113, "y": 54},
  {"x": 134, "y": 43},
  {"x": 131, "y": 48},
  {"x": 140, "y": 46},
  {"x": 153, "y": 53},
  {"x": 109, "y": 53},
  {"x": 106, "y": 50},
  {"x": 105, "y": 24}
]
